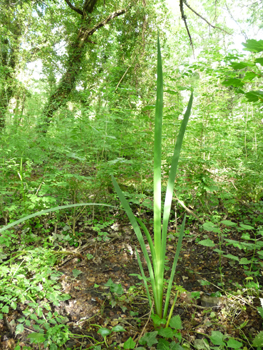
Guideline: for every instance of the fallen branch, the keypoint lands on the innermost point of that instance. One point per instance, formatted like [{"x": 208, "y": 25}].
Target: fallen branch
[{"x": 189, "y": 211}]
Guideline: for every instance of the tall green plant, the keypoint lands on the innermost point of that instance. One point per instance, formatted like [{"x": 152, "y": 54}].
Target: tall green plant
[{"x": 158, "y": 246}]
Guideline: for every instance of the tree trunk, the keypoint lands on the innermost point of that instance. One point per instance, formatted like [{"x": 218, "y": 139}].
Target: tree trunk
[
  {"x": 7, "y": 60},
  {"x": 78, "y": 49}
]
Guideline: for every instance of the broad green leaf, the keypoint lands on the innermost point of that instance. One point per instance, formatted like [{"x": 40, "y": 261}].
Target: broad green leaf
[
  {"x": 207, "y": 243},
  {"x": 233, "y": 82},
  {"x": 232, "y": 343},
  {"x": 147, "y": 108},
  {"x": 163, "y": 344},
  {"x": 129, "y": 344},
  {"x": 76, "y": 273},
  {"x": 211, "y": 227},
  {"x": 104, "y": 332},
  {"x": 5, "y": 309},
  {"x": 254, "y": 96},
  {"x": 228, "y": 223},
  {"x": 253, "y": 45},
  {"x": 260, "y": 309},
  {"x": 219, "y": 251},
  {"x": 149, "y": 339},
  {"x": 19, "y": 329},
  {"x": 246, "y": 227},
  {"x": 235, "y": 243},
  {"x": 250, "y": 76},
  {"x": 246, "y": 236},
  {"x": 259, "y": 60},
  {"x": 171, "y": 92},
  {"x": 36, "y": 338},
  {"x": 166, "y": 332},
  {"x": 258, "y": 341},
  {"x": 241, "y": 65},
  {"x": 176, "y": 322},
  {"x": 217, "y": 338},
  {"x": 201, "y": 344},
  {"x": 157, "y": 320},
  {"x": 230, "y": 256},
  {"x": 244, "y": 261},
  {"x": 175, "y": 346}
]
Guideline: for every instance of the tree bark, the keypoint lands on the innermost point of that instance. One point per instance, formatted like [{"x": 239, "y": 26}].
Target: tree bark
[
  {"x": 8, "y": 63},
  {"x": 78, "y": 49}
]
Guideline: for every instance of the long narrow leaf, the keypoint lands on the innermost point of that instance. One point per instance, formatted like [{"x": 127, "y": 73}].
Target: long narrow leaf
[
  {"x": 137, "y": 231},
  {"x": 158, "y": 266},
  {"x": 172, "y": 175},
  {"x": 149, "y": 238},
  {"x": 158, "y": 152},
  {"x": 179, "y": 245},
  {"x": 39, "y": 213},
  {"x": 144, "y": 278}
]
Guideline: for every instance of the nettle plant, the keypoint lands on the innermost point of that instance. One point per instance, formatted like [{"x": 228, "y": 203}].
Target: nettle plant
[{"x": 156, "y": 267}]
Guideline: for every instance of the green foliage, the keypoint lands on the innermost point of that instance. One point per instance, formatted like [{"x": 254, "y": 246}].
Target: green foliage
[
  {"x": 249, "y": 242},
  {"x": 158, "y": 247}
]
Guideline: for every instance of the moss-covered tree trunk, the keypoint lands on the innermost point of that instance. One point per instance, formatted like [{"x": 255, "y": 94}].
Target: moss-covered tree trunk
[{"x": 77, "y": 51}]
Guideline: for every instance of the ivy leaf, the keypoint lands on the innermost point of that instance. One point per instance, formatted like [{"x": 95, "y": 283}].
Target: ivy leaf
[
  {"x": 157, "y": 320},
  {"x": 118, "y": 328},
  {"x": 176, "y": 322},
  {"x": 166, "y": 332},
  {"x": 163, "y": 344},
  {"x": 104, "y": 332},
  {"x": 129, "y": 344},
  {"x": 149, "y": 339}
]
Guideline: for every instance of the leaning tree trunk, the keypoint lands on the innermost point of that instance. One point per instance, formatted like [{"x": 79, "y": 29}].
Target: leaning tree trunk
[
  {"x": 7, "y": 60},
  {"x": 78, "y": 49},
  {"x": 66, "y": 85}
]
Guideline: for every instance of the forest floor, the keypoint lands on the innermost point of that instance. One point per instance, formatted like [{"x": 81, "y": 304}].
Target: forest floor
[{"x": 224, "y": 302}]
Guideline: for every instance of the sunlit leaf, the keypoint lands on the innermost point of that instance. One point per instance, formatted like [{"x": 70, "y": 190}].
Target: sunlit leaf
[{"x": 207, "y": 243}]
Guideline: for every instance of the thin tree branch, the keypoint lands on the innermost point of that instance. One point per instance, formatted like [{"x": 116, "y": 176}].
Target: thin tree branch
[
  {"x": 197, "y": 14},
  {"x": 88, "y": 33},
  {"x": 186, "y": 25},
  {"x": 122, "y": 78},
  {"x": 241, "y": 30},
  {"x": 74, "y": 8},
  {"x": 189, "y": 211}
]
